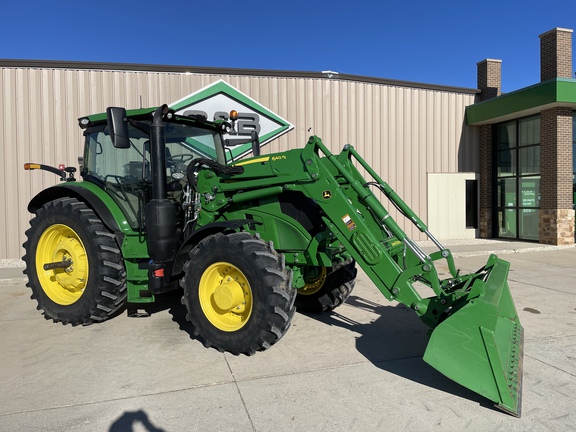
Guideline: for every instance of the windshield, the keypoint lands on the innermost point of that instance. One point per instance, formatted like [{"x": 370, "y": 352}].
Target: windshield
[
  {"x": 126, "y": 173},
  {"x": 183, "y": 143}
]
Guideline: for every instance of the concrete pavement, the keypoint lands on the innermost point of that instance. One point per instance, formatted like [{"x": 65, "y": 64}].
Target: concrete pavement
[{"x": 357, "y": 369}]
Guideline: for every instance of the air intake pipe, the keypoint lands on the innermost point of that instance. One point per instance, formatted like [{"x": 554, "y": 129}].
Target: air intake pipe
[{"x": 160, "y": 212}]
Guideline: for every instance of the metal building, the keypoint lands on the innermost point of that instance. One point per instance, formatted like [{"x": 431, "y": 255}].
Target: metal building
[{"x": 413, "y": 134}]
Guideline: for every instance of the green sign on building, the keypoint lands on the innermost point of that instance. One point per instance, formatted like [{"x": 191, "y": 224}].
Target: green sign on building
[{"x": 218, "y": 99}]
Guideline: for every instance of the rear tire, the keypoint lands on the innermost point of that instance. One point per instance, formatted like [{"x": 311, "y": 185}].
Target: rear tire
[
  {"x": 93, "y": 287},
  {"x": 238, "y": 293},
  {"x": 328, "y": 290}
]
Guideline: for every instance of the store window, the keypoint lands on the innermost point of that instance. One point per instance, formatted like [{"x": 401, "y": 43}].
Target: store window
[{"x": 517, "y": 182}]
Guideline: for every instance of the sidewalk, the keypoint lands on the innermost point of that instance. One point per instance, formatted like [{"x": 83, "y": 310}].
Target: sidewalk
[
  {"x": 479, "y": 247},
  {"x": 12, "y": 269},
  {"x": 359, "y": 368}
]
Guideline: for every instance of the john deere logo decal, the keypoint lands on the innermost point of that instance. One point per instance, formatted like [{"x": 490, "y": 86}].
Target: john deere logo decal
[
  {"x": 326, "y": 194},
  {"x": 215, "y": 103}
]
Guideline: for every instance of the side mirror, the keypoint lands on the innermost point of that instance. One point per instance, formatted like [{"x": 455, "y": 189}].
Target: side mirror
[
  {"x": 118, "y": 127},
  {"x": 255, "y": 140}
]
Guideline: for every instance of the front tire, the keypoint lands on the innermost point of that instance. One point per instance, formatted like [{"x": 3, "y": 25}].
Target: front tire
[
  {"x": 92, "y": 287},
  {"x": 237, "y": 292}
]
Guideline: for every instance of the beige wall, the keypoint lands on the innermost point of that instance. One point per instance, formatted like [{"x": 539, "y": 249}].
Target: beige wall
[
  {"x": 404, "y": 132},
  {"x": 447, "y": 205}
]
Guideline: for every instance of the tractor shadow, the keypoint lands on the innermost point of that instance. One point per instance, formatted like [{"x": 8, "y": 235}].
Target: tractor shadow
[
  {"x": 395, "y": 342},
  {"x": 169, "y": 301}
]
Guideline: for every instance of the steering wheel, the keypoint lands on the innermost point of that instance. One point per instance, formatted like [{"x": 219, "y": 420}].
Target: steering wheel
[{"x": 179, "y": 159}]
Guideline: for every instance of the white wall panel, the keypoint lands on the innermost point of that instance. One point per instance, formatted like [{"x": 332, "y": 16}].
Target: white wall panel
[{"x": 447, "y": 205}]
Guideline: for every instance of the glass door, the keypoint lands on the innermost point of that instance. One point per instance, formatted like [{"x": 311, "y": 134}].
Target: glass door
[{"x": 517, "y": 179}]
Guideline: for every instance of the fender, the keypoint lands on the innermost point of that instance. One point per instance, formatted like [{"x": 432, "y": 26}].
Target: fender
[
  {"x": 101, "y": 203},
  {"x": 201, "y": 234}
]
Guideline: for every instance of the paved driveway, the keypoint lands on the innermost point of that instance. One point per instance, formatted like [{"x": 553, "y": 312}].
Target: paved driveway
[{"x": 357, "y": 369}]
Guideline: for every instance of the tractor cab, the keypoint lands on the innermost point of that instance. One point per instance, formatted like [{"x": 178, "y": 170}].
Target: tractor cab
[{"x": 125, "y": 167}]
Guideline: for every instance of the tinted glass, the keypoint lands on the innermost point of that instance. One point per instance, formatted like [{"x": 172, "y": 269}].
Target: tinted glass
[
  {"x": 529, "y": 224},
  {"x": 529, "y": 131},
  {"x": 529, "y": 160},
  {"x": 507, "y": 223},
  {"x": 506, "y": 163},
  {"x": 506, "y": 135},
  {"x": 506, "y": 192},
  {"x": 530, "y": 192}
]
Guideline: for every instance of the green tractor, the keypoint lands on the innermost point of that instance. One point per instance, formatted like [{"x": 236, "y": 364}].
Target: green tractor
[{"x": 163, "y": 205}]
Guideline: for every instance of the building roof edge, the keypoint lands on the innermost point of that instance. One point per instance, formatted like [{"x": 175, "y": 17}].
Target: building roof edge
[{"x": 136, "y": 67}]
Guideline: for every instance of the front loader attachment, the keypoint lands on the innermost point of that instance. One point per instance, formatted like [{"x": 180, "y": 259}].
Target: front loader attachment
[
  {"x": 480, "y": 344},
  {"x": 476, "y": 338}
]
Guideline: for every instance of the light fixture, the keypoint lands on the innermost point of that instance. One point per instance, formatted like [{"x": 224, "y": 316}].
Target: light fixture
[{"x": 330, "y": 73}]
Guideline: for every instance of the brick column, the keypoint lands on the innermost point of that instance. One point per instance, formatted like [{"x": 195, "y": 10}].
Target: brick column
[
  {"x": 489, "y": 78},
  {"x": 556, "y": 208},
  {"x": 556, "y": 214},
  {"x": 556, "y": 54},
  {"x": 490, "y": 85},
  {"x": 485, "y": 162}
]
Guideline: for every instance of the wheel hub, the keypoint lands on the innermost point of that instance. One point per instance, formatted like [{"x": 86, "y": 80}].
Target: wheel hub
[
  {"x": 314, "y": 283},
  {"x": 72, "y": 277},
  {"x": 228, "y": 295},
  {"x": 225, "y": 296},
  {"x": 60, "y": 243}
]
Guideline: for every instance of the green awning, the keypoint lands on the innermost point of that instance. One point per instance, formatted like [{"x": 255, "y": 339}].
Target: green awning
[{"x": 557, "y": 92}]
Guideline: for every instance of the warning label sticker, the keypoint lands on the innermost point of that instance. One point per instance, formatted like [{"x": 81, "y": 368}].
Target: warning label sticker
[{"x": 349, "y": 222}]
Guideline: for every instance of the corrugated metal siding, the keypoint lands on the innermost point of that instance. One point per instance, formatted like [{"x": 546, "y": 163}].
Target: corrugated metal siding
[{"x": 403, "y": 132}]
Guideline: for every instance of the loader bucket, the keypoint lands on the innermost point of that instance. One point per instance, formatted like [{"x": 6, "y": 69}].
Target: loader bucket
[{"x": 480, "y": 344}]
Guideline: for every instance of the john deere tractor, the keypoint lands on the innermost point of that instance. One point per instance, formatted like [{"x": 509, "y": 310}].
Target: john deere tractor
[{"x": 162, "y": 204}]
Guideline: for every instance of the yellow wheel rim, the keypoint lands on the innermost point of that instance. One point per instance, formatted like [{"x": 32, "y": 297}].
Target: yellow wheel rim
[
  {"x": 61, "y": 243},
  {"x": 225, "y": 296},
  {"x": 314, "y": 284}
]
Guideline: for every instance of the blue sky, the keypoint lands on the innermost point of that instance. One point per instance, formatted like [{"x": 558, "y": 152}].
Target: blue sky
[{"x": 436, "y": 42}]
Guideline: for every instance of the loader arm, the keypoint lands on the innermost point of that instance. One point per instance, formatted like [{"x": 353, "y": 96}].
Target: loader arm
[{"x": 476, "y": 336}]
